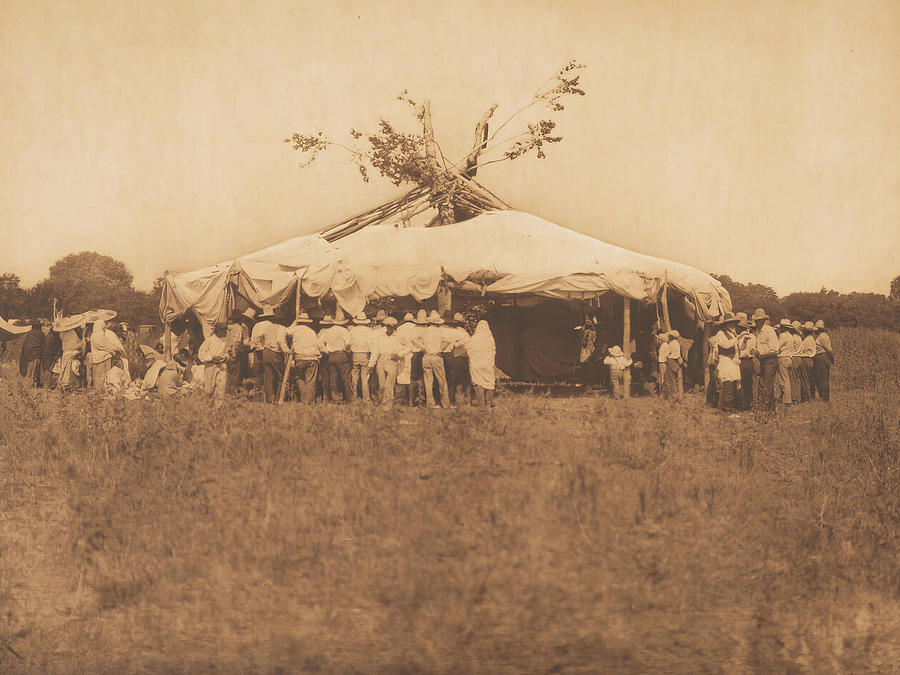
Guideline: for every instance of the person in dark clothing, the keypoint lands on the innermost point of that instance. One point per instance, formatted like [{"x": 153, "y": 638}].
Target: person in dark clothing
[
  {"x": 32, "y": 354},
  {"x": 52, "y": 353}
]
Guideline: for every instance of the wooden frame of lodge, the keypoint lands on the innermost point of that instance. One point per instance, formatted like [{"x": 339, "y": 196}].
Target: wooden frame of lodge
[{"x": 401, "y": 255}]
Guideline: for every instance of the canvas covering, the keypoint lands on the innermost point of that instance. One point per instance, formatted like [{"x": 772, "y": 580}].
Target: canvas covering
[{"x": 497, "y": 252}]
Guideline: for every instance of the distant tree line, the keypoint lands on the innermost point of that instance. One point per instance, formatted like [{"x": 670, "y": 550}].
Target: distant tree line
[
  {"x": 871, "y": 310},
  {"x": 79, "y": 282}
]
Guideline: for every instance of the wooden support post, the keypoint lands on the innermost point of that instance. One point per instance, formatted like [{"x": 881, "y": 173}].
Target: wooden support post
[
  {"x": 167, "y": 341},
  {"x": 297, "y": 301},
  {"x": 707, "y": 329},
  {"x": 626, "y": 341},
  {"x": 664, "y": 296}
]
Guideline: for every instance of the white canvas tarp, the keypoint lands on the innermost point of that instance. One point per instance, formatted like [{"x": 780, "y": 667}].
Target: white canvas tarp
[{"x": 498, "y": 252}]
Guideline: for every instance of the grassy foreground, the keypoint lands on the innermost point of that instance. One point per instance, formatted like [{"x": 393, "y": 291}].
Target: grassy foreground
[{"x": 543, "y": 535}]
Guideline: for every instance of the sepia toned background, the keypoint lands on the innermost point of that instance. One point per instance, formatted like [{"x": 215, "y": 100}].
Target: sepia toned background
[{"x": 757, "y": 138}]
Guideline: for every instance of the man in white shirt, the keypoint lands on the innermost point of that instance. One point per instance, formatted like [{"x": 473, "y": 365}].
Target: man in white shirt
[
  {"x": 409, "y": 334},
  {"x": 213, "y": 354},
  {"x": 334, "y": 341},
  {"x": 797, "y": 341},
  {"x": 268, "y": 340},
  {"x": 387, "y": 352},
  {"x": 807, "y": 354},
  {"x": 432, "y": 363},
  {"x": 766, "y": 351},
  {"x": 823, "y": 361},
  {"x": 360, "y": 348},
  {"x": 785, "y": 365},
  {"x": 749, "y": 363},
  {"x": 306, "y": 353},
  {"x": 672, "y": 383},
  {"x": 728, "y": 367}
]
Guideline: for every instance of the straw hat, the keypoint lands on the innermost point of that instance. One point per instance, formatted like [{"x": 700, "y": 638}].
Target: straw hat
[
  {"x": 327, "y": 320},
  {"x": 408, "y": 318},
  {"x": 809, "y": 327},
  {"x": 95, "y": 315},
  {"x": 303, "y": 317},
  {"x": 68, "y": 323},
  {"x": 796, "y": 325},
  {"x": 380, "y": 316},
  {"x": 267, "y": 312},
  {"x": 743, "y": 321},
  {"x": 390, "y": 321},
  {"x": 341, "y": 320},
  {"x": 421, "y": 317},
  {"x": 435, "y": 318},
  {"x": 616, "y": 351},
  {"x": 361, "y": 319},
  {"x": 820, "y": 325},
  {"x": 785, "y": 324},
  {"x": 759, "y": 314},
  {"x": 674, "y": 333},
  {"x": 458, "y": 318},
  {"x": 728, "y": 318}
]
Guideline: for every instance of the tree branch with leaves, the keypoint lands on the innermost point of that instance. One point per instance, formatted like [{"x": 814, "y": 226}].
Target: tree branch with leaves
[{"x": 416, "y": 158}]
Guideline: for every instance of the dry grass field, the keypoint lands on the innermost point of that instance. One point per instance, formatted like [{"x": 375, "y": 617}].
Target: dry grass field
[{"x": 545, "y": 535}]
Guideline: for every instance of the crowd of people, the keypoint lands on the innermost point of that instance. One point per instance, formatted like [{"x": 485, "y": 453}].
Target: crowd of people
[
  {"x": 418, "y": 359},
  {"x": 421, "y": 359},
  {"x": 753, "y": 365}
]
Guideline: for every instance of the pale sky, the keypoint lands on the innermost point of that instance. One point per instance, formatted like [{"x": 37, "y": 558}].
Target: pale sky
[{"x": 757, "y": 139}]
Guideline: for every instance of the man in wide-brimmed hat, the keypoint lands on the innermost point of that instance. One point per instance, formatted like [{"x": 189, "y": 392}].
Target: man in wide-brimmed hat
[
  {"x": 662, "y": 357},
  {"x": 766, "y": 351},
  {"x": 728, "y": 369},
  {"x": 360, "y": 350},
  {"x": 269, "y": 341},
  {"x": 796, "y": 342},
  {"x": 305, "y": 355},
  {"x": 785, "y": 361},
  {"x": 823, "y": 361},
  {"x": 237, "y": 366},
  {"x": 432, "y": 362},
  {"x": 407, "y": 332},
  {"x": 807, "y": 354},
  {"x": 388, "y": 352},
  {"x": 746, "y": 341},
  {"x": 418, "y": 349},
  {"x": 618, "y": 363},
  {"x": 456, "y": 360},
  {"x": 213, "y": 354},
  {"x": 334, "y": 341},
  {"x": 674, "y": 362}
]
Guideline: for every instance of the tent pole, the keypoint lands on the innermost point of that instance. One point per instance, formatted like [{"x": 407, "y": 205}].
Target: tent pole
[
  {"x": 665, "y": 304},
  {"x": 167, "y": 341},
  {"x": 297, "y": 301},
  {"x": 626, "y": 341},
  {"x": 705, "y": 351}
]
